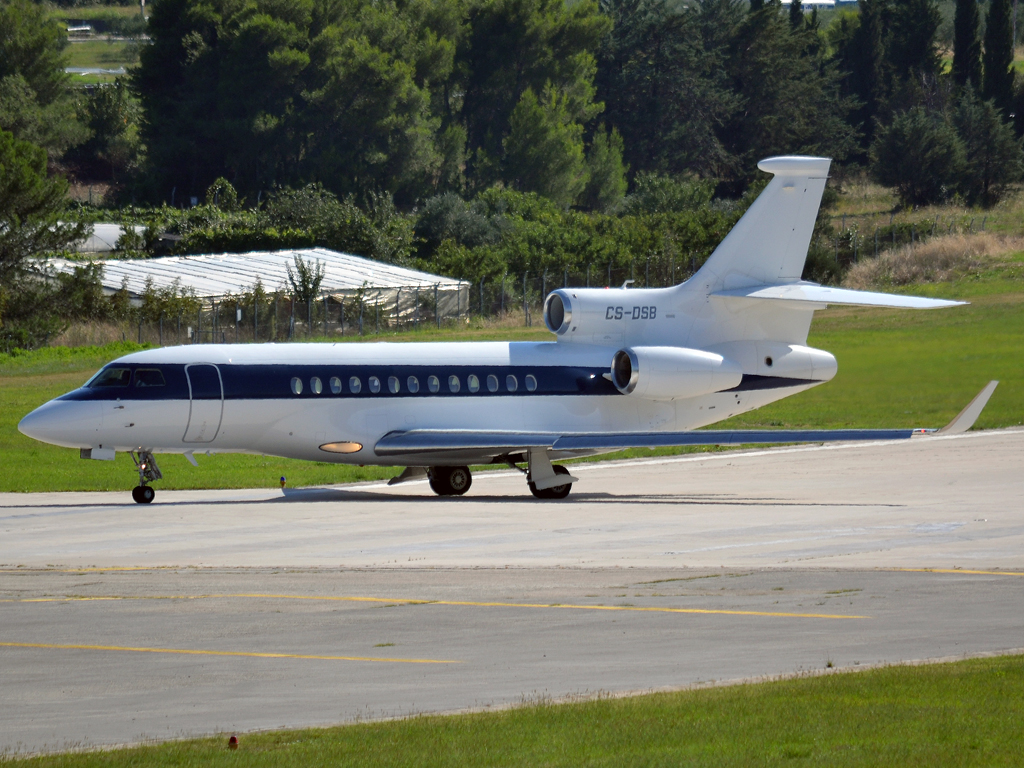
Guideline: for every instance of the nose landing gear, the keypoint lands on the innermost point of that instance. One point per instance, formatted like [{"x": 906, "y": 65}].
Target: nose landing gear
[{"x": 148, "y": 472}]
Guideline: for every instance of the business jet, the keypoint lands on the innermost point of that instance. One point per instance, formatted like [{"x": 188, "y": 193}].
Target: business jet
[{"x": 627, "y": 368}]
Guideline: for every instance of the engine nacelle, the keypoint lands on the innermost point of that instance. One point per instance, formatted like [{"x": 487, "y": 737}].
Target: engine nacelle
[
  {"x": 672, "y": 373},
  {"x": 607, "y": 315}
]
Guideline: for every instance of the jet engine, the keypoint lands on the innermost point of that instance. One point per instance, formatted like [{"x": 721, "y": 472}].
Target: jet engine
[
  {"x": 607, "y": 316},
  {"x": 672, "y": 373}
]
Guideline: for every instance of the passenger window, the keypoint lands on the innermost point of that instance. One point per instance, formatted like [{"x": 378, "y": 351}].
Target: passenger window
[
  {"x": 393, "y": 385},
  {"x": 492, "y": 383},
  {"x": 473, "y": 383},
  {"x": 113, "y": 377},
  {"x": 374, "y": 384},
  {"x": 315, "y": 386},
  {"x": 296, "y": 385},
  {"x": 453, "y": 383},
  {"x": 433, "y": 384},
  {"x": 149, "y": 377},
  {"x": 510, "y": 383},
  {"x": 531, "y": 382},
  {"x": 335, "y": 385},
  {"x": 355, "y": 385},
  {"x": 414, "y": 384}
]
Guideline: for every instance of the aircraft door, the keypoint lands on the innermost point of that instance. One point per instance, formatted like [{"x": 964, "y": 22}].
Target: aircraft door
[{"x": 206, "y": 403}]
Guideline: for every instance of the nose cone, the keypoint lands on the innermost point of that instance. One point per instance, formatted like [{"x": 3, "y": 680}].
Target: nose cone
[{"x": 69, "y": 423}]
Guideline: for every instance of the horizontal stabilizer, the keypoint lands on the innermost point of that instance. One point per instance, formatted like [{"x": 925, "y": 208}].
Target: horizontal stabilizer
[{"x": 812, "y": 293}]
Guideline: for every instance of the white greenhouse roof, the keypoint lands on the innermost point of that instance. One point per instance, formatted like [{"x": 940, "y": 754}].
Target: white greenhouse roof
[
  {"x": 216, "y": 275},
  {"x": 102, "y": 238}
]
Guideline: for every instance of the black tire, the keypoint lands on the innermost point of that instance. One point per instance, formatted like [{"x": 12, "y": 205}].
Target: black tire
[
  {"x": 450, "y": 481},
  {"x": 558, "y": 492},
  {"x": 438, "y": 481},
  {"x": 137, "y": 494},
  {"x": 146, "y": 494}
]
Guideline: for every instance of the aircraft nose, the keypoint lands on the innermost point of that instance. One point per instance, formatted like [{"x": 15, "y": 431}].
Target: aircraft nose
[{"x": 68, "y": 423}]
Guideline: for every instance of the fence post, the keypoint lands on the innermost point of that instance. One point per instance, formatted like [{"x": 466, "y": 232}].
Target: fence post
[
  {"x": 177, "y": 334},
  {"x": 481, "y": 296},
  {"x": 343, "y": 316},
  {"x": 544, "y": 284},
  {"x": 361, "y": 305},
  {"x": 238, "y": 316},
  {"x": 526, "y": 313},
  {"x": 327, "y": 326},
  {"x": 437, "y": 313},
  {"x": 647, "y": 272},
  {"x": 588, "y": 274},
  {"x": 199, "y": 325},
  {"x": 503, "y": 276},
  {"x": 161, "y": 329},
  {"x": 140, "y": 330},
  {"x": 376, "y": 306},
  {"x": 398, "y": 309},
  {"x": 565, "y": 280},
  {"x": 609, "y": 283},
  {"x": 255, "y": 317}
]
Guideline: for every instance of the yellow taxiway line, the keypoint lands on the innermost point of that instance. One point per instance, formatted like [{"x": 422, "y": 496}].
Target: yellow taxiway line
[
  {"x": 463, "y": 603},
  {"x": 197, "y": 652}
]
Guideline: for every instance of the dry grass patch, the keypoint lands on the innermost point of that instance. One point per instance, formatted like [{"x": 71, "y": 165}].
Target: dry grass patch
[{"x": 939, "y": 260}]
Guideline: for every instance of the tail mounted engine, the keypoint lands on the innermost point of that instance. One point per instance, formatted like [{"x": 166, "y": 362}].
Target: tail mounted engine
[{"x": 671, "y": 373}]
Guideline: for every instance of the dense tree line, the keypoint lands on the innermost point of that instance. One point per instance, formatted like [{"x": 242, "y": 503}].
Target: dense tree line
[{"x": 481, "y": 137}]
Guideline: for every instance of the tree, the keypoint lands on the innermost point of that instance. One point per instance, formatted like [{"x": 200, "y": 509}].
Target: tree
[
  {"x": 966, "y": 44},
  {"x": 912, "y": 50},
  {"x": 863, "y": 57},
  {"x": 35, "y": 103},
  {"x": 920, "y": 155},
  {"x": 796, "y": 14},
  {"x": 515, "y": 45},
  {"x": 30, "y": 208},
  {"x": 606, "y": 173},
  {"x": 992, "y": 151},
  {"x": 662, "y": 79},
  {"x": 998, "y": 58},
  {"x": 791, "y": 102},
  {"x": 544, "y": 148}
]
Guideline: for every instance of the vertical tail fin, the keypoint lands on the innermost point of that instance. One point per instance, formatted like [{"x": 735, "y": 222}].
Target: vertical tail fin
[{"x": 768, "y": 246}]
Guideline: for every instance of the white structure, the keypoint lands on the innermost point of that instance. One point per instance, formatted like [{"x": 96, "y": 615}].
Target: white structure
[
  {"x": 214, "y": 276},
  {"x": 102, "y": 238}
]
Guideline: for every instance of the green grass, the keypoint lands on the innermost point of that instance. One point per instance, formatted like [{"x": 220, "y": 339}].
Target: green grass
[
  {"x": 896, "y": 369},
  {"x": 969, "y": 713},
  {"x": 102, "y": 54}
]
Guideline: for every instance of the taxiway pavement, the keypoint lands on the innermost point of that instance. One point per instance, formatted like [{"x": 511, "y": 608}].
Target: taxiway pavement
[{"x": 242, "y": 610}]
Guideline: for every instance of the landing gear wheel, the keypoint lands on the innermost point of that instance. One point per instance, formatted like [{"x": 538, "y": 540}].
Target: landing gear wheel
[
  {"x": 143, "y": 494},
  {"x": 558, "y": 492},
  {"x": 450, "y": 481}
]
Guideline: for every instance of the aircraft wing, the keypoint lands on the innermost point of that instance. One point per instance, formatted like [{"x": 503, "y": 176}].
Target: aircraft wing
[
  {"x": 812, "y": 293},
  {"x": 468, "y": 442}
]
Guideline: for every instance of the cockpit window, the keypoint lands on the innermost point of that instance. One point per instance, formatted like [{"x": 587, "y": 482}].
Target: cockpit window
[
  {"x": 149, "y": 377},
  {"x": 112, "y": 377}
]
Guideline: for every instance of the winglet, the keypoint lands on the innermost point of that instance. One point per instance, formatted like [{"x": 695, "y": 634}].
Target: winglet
[{"x": 966, "y": 418}]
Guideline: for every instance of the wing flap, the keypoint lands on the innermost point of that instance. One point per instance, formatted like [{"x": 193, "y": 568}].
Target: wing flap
[{"x": 812, "y": 293}]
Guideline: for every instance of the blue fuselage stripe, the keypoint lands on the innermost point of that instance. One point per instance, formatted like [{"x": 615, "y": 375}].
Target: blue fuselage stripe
[{"x": 274, "y": 381}]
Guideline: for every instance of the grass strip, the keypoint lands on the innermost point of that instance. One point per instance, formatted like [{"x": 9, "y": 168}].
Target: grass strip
[{"x": 955, "y": 714}]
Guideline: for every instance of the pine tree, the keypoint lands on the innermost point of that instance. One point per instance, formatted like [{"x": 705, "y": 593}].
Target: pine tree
[
  {"x": 966, "y": 44},
  {"x": 864, "y": 57},
  {"x": 756, "y": 5},
  {"x": 914, "y": 26},
  {"x": 998, "y": 58},
  {"x": 796, "y": 14}
]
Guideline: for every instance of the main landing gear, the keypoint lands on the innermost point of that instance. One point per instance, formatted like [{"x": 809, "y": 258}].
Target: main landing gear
[
  {"x": 450, "y": 481},
  {"x": 148, "y": 472}
]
